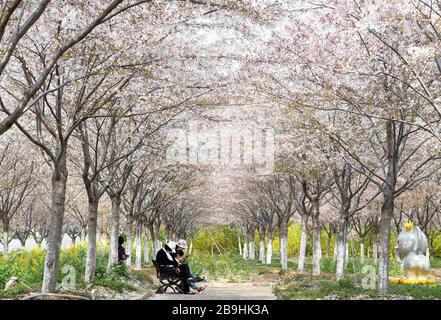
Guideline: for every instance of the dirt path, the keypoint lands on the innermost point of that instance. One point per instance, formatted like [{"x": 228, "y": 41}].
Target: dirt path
[{"x": 226, "y": 291}]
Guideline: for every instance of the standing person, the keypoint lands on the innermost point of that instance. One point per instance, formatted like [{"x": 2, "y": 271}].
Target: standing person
[{"x": 121, "y": 250}]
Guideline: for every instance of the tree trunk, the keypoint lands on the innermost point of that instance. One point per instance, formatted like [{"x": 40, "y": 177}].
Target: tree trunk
[
  {"x": 262, "y": 247},
  {"x": 384, "y": 249},
  {"x": 346, "y": 251},
  {"x": 138, "y": 247},
  {"x": 251, "y": 246},
  {"x": 269, "y": 249},
  {"x": 114, "y": 231},
  {"x": 368, "y": 248},
  {"x": 146, "y": 248},
  {"x": 152, "y": 237},
  {"x": 129, "y": 242},
  {"x": 23, "y": 243},
  {"x": 238, "y": 241},
  {"x": 342, "y": 242},
  {"x": 5, "y": 240},
  {"x": 303, "y": 240},
  {"x": 83, "y": 235},
  {"x": 375, "y": 248},
  {"x": 362, "y": 249},
  {"x": 317, "y": 250},
  {"x": 283, "y": 230},
  {"x": 387, "y": 209},
  {"x": 245, "y": 246},
  {"x": 157, "y": 237},
  {"x": 328, "y": 247},
  {"x": 59, "y": 180},
  {"x": 191, "y": 247},
  {"x": 91, "y": 241},
  {"x": 397, "y": 255}
]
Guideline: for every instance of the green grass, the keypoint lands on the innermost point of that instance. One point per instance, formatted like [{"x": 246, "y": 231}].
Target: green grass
[
  {"x": 435, "y": 262},
  {"x": 307, "y": 287},
  {"x": 228, "y": 266},
  {"x": 417, "y": 291},
  {"x": 114, "y": 283},
  {"x": 353, "y": 266},
  {"x": 28, "y": 267}
]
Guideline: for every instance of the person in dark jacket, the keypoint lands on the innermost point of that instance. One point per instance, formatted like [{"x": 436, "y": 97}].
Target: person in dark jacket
[
  {"x": 121, "y": 250},
  {"x": 166, "y": 257},
  {"x": 183, "y": 262}
]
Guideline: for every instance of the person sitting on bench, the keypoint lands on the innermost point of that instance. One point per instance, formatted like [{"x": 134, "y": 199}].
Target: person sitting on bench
[
  {"x": 166, "y": 257},
  {"x": 183, "y": 261}
]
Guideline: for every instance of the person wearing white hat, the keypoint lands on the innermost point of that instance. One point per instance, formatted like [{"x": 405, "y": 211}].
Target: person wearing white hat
[
  {"x": 164, "y": 257},
  {"x": 182, "y": 259},
  {"x": 182, "y": 244}
]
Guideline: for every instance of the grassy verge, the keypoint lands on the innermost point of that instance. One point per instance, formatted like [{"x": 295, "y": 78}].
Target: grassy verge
[
  {"x": 28, "y": 266},
  {"x": 228, "y": 266},
  {"x": 305, "y": 286}
]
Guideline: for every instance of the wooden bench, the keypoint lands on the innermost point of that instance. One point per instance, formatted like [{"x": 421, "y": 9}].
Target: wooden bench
[{"x": 168, "y": 278}]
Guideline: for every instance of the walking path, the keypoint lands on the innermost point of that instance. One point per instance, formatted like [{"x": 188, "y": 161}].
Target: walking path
[{"x": 226, "y": 291}]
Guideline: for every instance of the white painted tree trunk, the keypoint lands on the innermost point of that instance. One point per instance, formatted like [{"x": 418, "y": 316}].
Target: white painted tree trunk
[
  {"x": 341, "y": 253},
  {"x": 375, "y": 249},
  {"x": 5, "y": 242},
  {"x": 83, "y": 235},
  {"x": 114, "y": 232},
  {"x": 245, "y": 246},
  {"x": 383, "y": 256},
  {"x": 146, "y": 249},
  {"x": 284, "y": 251},
  {"x": 317, "y": 252},
  {"x": 269, "y": 249},
  {"x": 335, "y": 248},
  {"x": 346, "y": 251},
  {"x": 397, "y": 255},
  {"x": 153, "y": 238},
  {"x": 239, "y": 242},
  {"x": 303, "y": 241},
  {"x": 262, "y": 257},
  {"x": 316, "y": 248},
  {"x": 387, "y": 209},
  {"x": 251, "y": 247},
  {"x": 153, "y": 250},
  {"x": 362, "y": 250},
  {"x": 129, "y": 241},
  {"x": 158, "y": 246},
  {"x": 55, "y": 235},
  {"x": 138, "y": 247}
]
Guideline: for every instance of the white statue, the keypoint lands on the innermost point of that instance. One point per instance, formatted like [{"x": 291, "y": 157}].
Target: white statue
[{"x": 412, "y": 246}]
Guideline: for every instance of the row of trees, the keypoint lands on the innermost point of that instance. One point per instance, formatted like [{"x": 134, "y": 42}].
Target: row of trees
[
  {"x": 274, "y": 203},
  {"x": 358, "y": 88},
  {"x": 87, "y": 93},
  {"x": 351, "y": 87}
]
